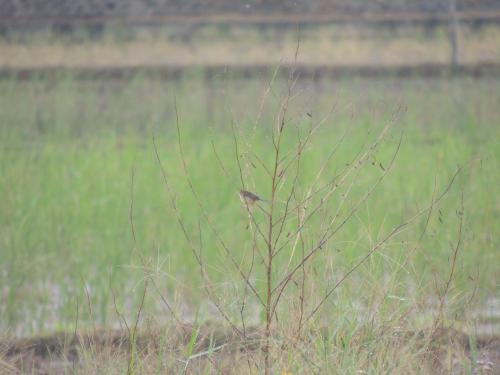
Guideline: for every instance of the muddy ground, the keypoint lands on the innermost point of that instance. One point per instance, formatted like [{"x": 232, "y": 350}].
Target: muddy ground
[{"x": 63, "y": 352}]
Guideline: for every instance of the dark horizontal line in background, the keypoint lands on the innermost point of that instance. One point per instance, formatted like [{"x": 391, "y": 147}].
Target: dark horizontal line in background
[
  {"x": 240, "y": 18},
  {"x": 316, "y": 72}
]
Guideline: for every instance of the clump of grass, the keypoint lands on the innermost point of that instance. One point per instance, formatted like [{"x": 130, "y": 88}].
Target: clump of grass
[{"x": 297, "y": 228}]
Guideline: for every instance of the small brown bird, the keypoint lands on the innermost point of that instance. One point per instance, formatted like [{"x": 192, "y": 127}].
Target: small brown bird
[{"x": 249, "y": 198}]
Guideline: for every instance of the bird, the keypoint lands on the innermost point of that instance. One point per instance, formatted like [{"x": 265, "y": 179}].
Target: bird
[{"x": 249, "y": 198}]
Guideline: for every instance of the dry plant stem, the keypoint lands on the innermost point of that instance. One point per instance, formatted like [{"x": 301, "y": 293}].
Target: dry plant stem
[
  {"x": 262, "y": 164},
  {"x": 167, "y": 305},
  {"x": 132, "y": 333},
  {"x": 238, "y": 161},
  {"x": 334, "y": 181},
  {"x": 322, "y": 168},
  {"x": 237, "y": 155},
  {"x": 259, "y": 231},
  {"x": 357, "y": 162},
  {"x": 132, "y": 339},
  {"x": 269, "y": 244},
  {"x": 398, "y": 229},
  {"x": 276, "y": 138},
  {"x": 302, "y": 144},
  {"x": 150, "y": 277},
  {"x": 417, "y": 245},
  {"x": 247, "y": 280},
  {"x": 131, "y": 210},
  {"x": 120, "y": 315},
  {"x": 412, "y": 250},
  {"x": 442, "y": 297},
  {"x": 77, "y": 317},
  {"x": 219, "y": 160},
  {"x": 330, "y": 231},
  {"x": 255, "y": 250},
  {"x": 192, "y": 247},
  {"x": 302, "y": 294},
  {"x": 143, "y": 261},
  {"x": 129, "y": 333},
  {"x": 300, "y": 212},
  {"x": 245, "y": 288},
  {"x": 291, "y": 195},
  {"x": 403, "y": 265},
  {"x": 89, "y": 303},
  {"x": 265, "y": 96},
  {"x": 204, "y": 212},
  {"x": 301, "y": 209}
]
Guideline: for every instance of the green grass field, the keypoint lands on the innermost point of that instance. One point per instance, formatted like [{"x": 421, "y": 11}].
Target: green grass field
[{"x": 69, "y": 149}]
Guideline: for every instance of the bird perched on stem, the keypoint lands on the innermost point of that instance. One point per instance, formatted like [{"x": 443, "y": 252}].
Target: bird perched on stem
[{"x": 249, "y": 198}]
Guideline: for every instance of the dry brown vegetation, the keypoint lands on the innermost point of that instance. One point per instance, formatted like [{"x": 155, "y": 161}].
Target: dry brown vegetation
[
  {"x": 244, "y": 48},
  {"x": 218, "y": 350}
]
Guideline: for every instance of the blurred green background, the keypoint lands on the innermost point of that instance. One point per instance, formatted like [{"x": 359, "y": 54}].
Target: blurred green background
[
  {"x": 69, "y": 149},
  {"x": 80, "y": 104}
]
